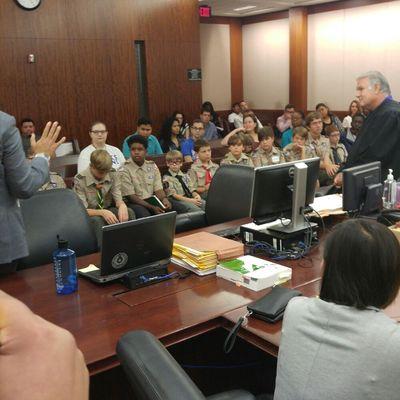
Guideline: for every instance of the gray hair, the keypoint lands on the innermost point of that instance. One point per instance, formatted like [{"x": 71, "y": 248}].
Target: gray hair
[{"x": 377, "y": 78}]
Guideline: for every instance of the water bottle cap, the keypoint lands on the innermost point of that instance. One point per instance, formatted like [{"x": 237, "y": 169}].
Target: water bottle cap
[{"x": 62, "y": 244}]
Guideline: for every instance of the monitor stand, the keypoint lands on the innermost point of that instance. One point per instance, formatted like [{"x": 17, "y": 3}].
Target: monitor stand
[{"x": 297, "y": 222}]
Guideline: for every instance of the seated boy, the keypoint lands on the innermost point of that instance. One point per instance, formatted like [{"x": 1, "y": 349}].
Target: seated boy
[
  {"x": 196, "y": 133},
  {"x": 247, "y": 144},
  {"x": 298, "y": 150},
  {"x": 179, "y": 187},
  {"x": 141, "y": 179},
  {"x": 267, "y": 154},
  {"x": 99, "y": 188},
  {"x": 203, "y": 169},
  {"x": 236, "y": 155},
  {"x": 144, "y": 129}
]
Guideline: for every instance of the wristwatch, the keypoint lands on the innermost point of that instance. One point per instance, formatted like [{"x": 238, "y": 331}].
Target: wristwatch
[{"x": 43, "y": 156}]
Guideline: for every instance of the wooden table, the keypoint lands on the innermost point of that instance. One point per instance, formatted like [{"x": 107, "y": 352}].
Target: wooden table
[{"x": 173, "y": 310}]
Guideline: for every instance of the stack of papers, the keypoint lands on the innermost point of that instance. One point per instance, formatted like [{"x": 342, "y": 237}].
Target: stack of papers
[
  {"x": 328, "y": 205},
  {"x": 200, "y": 252}
]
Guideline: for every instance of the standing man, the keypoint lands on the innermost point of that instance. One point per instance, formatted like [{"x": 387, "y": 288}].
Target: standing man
[
  {"x": 20, "y": 179},
  {"x": 379, "y": 137},
  {"x": 284, "y": 122}
]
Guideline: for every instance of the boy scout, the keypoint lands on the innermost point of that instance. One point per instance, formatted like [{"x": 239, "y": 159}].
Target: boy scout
[
  {"x": 99, "y": 188},
  {"x": 298, "y": 150},
  {"x": 236, "y": 155},
  {"x": 179, "y": 187},
  {"x": 203, "y": 169},
  {"x": 141, "y": 179},
  {"x": 320, "y": 145},
  {"x": 267, "y": 154}
]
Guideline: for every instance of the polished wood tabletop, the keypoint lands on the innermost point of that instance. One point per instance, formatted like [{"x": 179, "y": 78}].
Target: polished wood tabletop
[{"x": 173, "y": 310}]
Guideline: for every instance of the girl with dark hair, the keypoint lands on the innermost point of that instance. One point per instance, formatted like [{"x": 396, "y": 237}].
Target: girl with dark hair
[
  {"x": 169, "y": 135},
  {"x": 342, "y": 345},
  {"x": 329, "y": 118},
  {"x": 183, "y": 125}
]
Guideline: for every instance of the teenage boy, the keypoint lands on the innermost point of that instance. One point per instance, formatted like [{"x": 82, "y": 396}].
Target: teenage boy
[
  {"x": 144, "y": 129},
  {"x": 179, "y": 187},
  {"x": 210, "y": 130},
  {"x": 337, "y": 151},
  {"x": 236, "y": 113},
  {"x": 203, "y": 169},
  {"x": 267, "y": 154},
  {"x": 236, "y": 155},
  {"x": 320, "y": 144},
  {"x": 284, "y": 122},
  {"x": 298, "y": 150},
  {"x": 99, "y": 188},
  {"x": 141, "y": 180},
  {"x": 196, "y": 133}
]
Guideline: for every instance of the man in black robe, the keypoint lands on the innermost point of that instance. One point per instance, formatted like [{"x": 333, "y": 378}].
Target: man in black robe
[{"x": 379, "y": 138}]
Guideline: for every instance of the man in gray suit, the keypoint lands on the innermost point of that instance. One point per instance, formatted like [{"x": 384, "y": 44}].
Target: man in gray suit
[{"x": 19, "y": 180}]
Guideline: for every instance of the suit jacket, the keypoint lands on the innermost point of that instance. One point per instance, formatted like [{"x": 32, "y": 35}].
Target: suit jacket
[{"x": 19, "y": 179}]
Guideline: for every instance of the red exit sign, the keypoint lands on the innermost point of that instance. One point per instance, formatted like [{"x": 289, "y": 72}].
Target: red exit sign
[{"x": 205, "y": 11}]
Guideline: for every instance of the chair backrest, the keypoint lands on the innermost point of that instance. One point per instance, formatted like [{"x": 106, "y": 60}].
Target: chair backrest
[
  {"x": 229, "y": 196},
  {"x": 55, "y": 212}
]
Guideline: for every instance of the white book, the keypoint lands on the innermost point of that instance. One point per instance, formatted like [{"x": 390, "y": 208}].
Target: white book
[{"x": 253, "y": 272}]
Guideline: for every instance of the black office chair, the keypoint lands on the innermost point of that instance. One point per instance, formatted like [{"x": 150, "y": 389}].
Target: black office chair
[
  {"x": 55, "y": 212},
  {"x": 229, "y": 196},
  {"x": 155, "y": 375}
]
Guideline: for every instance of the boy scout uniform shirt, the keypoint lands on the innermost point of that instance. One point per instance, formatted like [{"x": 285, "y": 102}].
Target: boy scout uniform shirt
[
  {"x": 141, "y": 181},
  {"x": 291, "y": 155},
  {"x": 173, "y": 186},
  {"x": 243, "y": 160},
  {"x": 85, "y": 186},
  {"x": 55, "y": 182},
  {"x": 261, "y": 157},
  {"x": 197, "y": 172},
  {"x": 341, "y": 152},
  {"x": 320, "y": 146}
]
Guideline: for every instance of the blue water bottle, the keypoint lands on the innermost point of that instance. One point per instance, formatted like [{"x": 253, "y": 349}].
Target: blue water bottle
[{"x": 65, "y": 270}]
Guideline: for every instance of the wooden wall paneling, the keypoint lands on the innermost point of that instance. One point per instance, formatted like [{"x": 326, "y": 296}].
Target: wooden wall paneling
[
  {"x": 298, "y": 57},
  {"x": 235, "y": 30}
]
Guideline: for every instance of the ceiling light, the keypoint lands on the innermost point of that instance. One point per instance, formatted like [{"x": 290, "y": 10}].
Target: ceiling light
[{"x": 244, "y": 8}]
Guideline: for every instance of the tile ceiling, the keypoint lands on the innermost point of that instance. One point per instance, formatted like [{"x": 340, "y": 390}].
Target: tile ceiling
[{"x": 227, "y": 7}]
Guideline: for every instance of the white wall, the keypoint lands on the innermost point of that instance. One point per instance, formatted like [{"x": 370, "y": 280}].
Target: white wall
[
  {"x": 266, "y": 64},
  {"x": 216, "y": 65},
  {"x": 344, "y": 44}
]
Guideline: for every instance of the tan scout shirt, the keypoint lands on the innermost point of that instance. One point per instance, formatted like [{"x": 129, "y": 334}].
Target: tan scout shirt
[
  {"x": 173, "y": 186},
  {"x": 55, "y": 182},
  {"x": 142, "y": 181},
  {"x": 198, "y": 174},
  {"x": 292, "y": 155},
  {"x": 341, "y": 151},
  {"x": 243, "y": 160},
  {"x": 262, "y": 158},
  {"x": 320, "y": 146},
  {"x": 85, "y": 186}
]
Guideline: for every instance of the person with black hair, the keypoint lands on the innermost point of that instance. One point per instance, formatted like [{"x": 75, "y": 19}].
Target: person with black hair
[
  {"x": 183, "y": 124},
  {"x": 284, "y": 122},
  {"x": 342, "y": 345},
  {"x": 144, "y": 128},
  {"x": 28, "y": 128},
  {"x": 169, "y": 135},
  {"x": 141, "y": 179}
]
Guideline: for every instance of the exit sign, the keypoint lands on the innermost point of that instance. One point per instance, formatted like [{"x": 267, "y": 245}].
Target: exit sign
[{"x": 205, "y": 11}]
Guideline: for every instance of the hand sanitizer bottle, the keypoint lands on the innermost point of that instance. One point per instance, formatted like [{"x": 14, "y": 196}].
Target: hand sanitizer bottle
[{"x": 389, "y": 191}]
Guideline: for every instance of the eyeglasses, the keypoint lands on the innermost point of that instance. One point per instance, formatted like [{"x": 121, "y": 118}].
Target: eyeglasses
[
  {"x": 99, "y": 132},
  {"x": 175, "y": 162},
  {"x": 195, "y": 128}
]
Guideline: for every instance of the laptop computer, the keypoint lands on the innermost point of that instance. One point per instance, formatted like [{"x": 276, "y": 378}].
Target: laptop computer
[{"x": 134, "y": 245}]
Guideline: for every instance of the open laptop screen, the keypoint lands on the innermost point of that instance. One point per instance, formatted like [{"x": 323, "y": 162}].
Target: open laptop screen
[{"x": 137, "y": 243}]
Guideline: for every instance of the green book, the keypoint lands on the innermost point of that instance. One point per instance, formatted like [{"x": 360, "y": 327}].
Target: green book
[{"x": 155, "y": 201}]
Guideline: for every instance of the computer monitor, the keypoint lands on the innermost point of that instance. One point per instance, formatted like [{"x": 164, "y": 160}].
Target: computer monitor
[
  {"x": 281, "y": 188},
  {"x": 362, "y": 188}
]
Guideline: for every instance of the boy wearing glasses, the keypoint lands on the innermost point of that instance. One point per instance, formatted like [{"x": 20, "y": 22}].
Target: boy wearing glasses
[
  {"x": 196, "y": 133},
  {"x": 98, "y": 133},
  {"x": 179, "y": 187}
]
